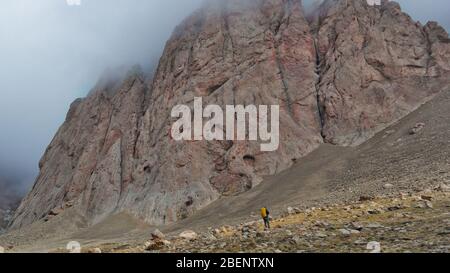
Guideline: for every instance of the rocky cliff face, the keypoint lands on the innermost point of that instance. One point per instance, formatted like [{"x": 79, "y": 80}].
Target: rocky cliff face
[
  {"x": 348, "y": 72},
  {"x": 376, "y": 64}
]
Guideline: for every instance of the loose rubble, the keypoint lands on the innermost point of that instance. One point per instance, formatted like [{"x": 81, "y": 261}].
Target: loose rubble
[{"x": 403, "y": 223}]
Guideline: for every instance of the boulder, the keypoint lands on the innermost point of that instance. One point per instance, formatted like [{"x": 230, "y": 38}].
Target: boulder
[
  {"x": 188, "y": 235},
  {"x": 348, "y": 232},
  {"x": 427, "y": 197},
  {"x": 366, "y": 198},
  {"x": 157, "y": 235},
  {"x": 153, "y": 245},
  {"x": 95, "y": 250},
  {"x": 443, "y": 188},
  {"x": 374, "y": 247},
  {"x": 290, "y": 211},
  {"x": 417, "y": 128}
]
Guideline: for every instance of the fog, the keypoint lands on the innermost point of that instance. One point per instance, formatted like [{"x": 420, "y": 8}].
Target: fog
[
  {"x": 420, "y": 10},
  {"x": 52, "y": 53}
]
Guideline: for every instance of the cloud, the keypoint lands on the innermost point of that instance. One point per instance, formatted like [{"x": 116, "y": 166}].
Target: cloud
[
  {"x": 433, "y": 10},
  {"x": 52, "y": 53}
]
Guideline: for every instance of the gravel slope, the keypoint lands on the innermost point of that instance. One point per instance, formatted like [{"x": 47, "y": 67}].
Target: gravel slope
[{"x": 329, "y": 175}]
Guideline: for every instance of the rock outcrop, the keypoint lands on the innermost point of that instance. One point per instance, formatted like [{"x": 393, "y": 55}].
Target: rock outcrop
[
  {"x": 376, "y": 65},
  {"x": 340, "y": 77}
]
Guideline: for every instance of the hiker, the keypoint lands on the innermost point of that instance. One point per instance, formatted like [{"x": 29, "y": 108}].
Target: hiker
[{"x": 265, "y": 215}]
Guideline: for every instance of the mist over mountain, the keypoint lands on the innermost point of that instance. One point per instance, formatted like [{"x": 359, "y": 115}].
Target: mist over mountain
[
  {"x": 10, "y": 195},
  {"x": 53, "y": 53},
  {"x": 423, "y": 11}
]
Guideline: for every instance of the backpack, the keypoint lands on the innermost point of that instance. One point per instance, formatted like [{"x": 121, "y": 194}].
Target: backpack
[{"x": 264, "y": 212}]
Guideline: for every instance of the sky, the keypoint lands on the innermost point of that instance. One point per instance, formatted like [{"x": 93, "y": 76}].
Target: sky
[{"x": 52, "y": 53}]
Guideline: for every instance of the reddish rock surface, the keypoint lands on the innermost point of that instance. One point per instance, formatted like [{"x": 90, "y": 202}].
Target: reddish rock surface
[
  {"x": 341, "y": 77},
  {"x": 376, "y": 65}
]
